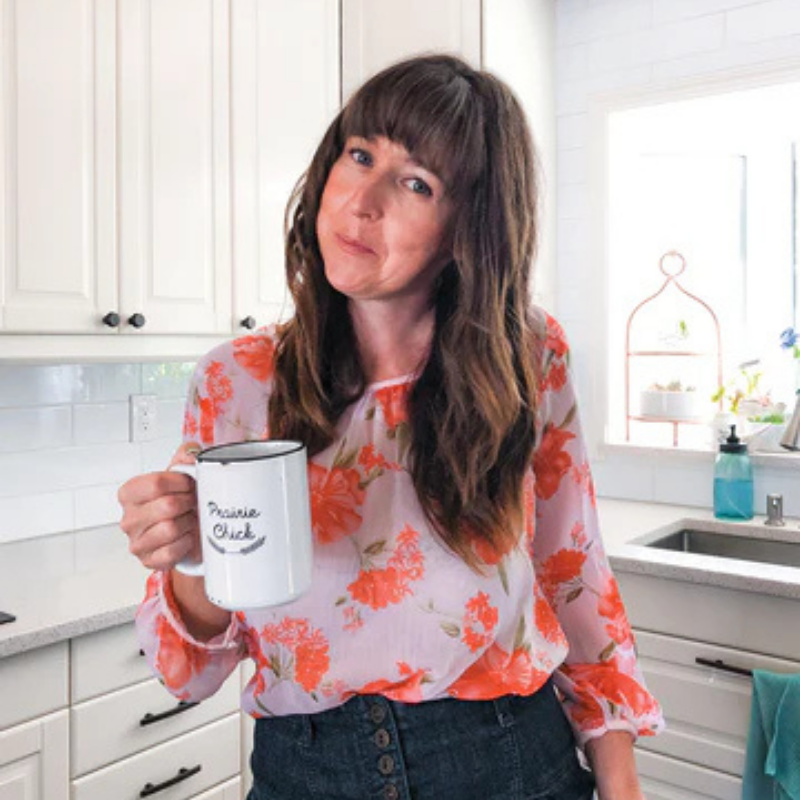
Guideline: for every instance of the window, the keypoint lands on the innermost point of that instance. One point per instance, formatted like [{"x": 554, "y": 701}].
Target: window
[{"x": 715, "y": 179}]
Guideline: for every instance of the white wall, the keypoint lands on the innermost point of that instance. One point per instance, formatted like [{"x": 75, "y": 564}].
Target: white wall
[
  {"x": 608, "y": 49},
  {"x": 64, "y": 441}
]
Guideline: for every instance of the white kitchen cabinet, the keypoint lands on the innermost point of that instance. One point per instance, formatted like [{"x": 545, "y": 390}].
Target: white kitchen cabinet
[
  {"x": 285, "y": 93},
  {"x": 58, "y": 242},
  {"x": 174, "y": 162},
  {"x": 34, "y": 759},
  {"x": 701, "y": 754},
  {"x": 376, "y": 33}
]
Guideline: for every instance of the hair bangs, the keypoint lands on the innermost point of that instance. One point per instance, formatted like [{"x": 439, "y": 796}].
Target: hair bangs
[{"x": 432, "y": 115}]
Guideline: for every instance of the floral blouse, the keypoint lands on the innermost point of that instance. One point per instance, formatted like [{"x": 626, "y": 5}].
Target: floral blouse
[{"x": 391, "y": 610}]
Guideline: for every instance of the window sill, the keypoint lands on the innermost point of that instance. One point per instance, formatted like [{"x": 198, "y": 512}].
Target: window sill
[{"x": 783, "y": 461}]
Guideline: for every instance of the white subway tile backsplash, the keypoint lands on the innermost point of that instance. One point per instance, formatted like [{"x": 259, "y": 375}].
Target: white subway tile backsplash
[
  {"x": 672, "y": 10},
  {"x": 614, "y": 478},
  {"x": 106, "y": 383},
  {"x": 571, "y": 63},
  {"x": 67, "y": 468},
  {"x": 37, "y": 428},
  {"x": 101, "y": 422},
  {"x": 572, "y": 131},
  {"x": 762, "y": 21},
  {"x": 157, "y": 454},
  {"x": 170, "y": 419},
  {"x": 35, "y": 515},
  {"x": 97, "y": 505},
  {"x": 167, "y": 380},
  {"x": 22, "y": 385},
  {"x": 575, "y": 25}
]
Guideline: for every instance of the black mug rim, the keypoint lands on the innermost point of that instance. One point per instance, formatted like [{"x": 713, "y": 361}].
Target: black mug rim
[{"x": 203, "y": 458}]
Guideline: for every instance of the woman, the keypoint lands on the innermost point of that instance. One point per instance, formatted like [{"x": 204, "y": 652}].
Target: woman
[{"x": 459, "y": 573}]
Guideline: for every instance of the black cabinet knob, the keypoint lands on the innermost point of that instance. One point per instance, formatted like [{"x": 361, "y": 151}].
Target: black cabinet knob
[
  {"x": 248, "y": 322},
  {"x": 111, "y": 319},
  {"x": 137, "y": 320}
]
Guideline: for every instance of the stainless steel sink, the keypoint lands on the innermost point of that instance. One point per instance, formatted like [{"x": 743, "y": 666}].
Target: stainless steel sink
[{"x": 723, "y": 545}]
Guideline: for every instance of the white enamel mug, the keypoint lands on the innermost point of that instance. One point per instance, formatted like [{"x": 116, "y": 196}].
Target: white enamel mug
[{"x": 255, "y": 523}]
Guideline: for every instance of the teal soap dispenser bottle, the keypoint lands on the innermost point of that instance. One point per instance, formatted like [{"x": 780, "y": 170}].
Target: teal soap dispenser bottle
[{"x": 733, "y": 480}]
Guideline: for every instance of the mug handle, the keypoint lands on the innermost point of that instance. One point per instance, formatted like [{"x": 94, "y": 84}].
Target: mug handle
[{"x": 194, "y": 569}]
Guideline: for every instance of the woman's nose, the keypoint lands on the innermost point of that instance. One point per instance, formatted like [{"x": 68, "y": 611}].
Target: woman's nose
[{"x": 366, "y": 200}]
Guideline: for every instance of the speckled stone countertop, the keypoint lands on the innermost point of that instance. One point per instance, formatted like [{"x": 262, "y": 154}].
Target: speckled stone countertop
[
  {"x": 63, "y": 586},
  {"x": 59, "y": 587},
  {"x": 627, "y": 526}
]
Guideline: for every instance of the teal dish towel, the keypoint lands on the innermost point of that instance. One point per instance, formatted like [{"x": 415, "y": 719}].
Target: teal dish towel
[{"x": 772, "y": 766}]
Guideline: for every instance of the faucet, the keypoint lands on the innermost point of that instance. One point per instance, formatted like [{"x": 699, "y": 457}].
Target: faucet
[
  {"x": 775, "y": 511},
  {"x": 791, "y": 438}
]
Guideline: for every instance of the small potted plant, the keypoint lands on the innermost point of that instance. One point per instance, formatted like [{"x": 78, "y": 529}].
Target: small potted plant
[{"x": 671, "y": 400}]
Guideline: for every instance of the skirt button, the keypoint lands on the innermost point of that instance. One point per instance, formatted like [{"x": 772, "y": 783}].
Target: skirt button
[
  {"x": 390, "y": 792},
  {"x": 382, "y": 738},
  {"x": 385, "y": 765},
  {"x": 377, "y": 713}
]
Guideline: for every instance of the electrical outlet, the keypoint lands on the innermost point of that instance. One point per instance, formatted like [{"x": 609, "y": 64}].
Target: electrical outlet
[{"x": 143, "y": 417}]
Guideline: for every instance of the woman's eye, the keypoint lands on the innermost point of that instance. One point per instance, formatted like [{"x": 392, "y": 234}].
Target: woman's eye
[
  {"x": 420, "y": 187},
  {"x": 360, "y": 156}
]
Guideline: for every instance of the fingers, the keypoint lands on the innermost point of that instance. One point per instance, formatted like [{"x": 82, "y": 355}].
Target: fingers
[
  {"x": 146, "y": 488},
  {"x": 186, "y": 453},
  {"x": 167, "y": 542}
]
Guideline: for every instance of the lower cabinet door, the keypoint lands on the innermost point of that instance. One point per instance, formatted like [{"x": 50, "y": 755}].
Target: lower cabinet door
[
  {"x": 665, "y": 778},
  {"x": 177, "y": 770},
  {"x": 34, "y": 759},
  {"x": 230, "y": 790}
]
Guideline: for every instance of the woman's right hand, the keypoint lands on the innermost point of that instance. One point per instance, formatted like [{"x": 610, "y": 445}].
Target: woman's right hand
[{"x": 160, "y": 514}]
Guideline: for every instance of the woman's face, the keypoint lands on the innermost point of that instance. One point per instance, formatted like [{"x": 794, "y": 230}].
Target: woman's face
[{"x": 383, "y": 223}]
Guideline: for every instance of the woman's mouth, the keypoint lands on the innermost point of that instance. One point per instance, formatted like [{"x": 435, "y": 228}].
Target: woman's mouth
[{"x": 353, "y": 246}]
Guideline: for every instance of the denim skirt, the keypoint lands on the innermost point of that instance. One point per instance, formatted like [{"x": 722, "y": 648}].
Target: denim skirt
[{"x": 511, "y": 748}]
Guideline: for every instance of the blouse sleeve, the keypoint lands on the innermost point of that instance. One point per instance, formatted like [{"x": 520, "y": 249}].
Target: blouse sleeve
[
  {"x": 190, "y": 669},
  {"x": 600, "y": 680}
]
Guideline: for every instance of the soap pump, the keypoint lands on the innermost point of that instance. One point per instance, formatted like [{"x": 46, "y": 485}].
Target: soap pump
[{"x": 733, "y": 480}]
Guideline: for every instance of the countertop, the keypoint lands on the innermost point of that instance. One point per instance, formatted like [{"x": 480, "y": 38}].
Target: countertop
[{"x": 64, "y": 586}]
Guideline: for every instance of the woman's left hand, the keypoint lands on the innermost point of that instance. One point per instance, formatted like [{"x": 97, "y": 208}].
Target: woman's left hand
[{"x": 614, "y": 766}]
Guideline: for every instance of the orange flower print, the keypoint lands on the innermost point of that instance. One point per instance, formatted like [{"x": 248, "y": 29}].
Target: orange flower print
[
  {"x": 497, "y": 673},
  {"x": 556, "y": 377},
  {"x": 550, "y": 461},
  {"x": 597, "y": 684},
  {"x": 218, "y": 385},
  {"x": 336, "y": 500},
  {"x": 257, "y": 355},
  {"x": 582, "y": 475},
  {"x": 480, "y": 618},
  {"x": 176, "y": 661},
  {"x": 189, "y": 425},
  {"x": 381, "y": 587},
  {"x": 547, "y": 622},
  {"x": 556, "y": 338},
  {"x": 252, "y": 646},
  {"x": 406, "y": 690},
  {"x": 611, "y": 607},
  {"x": 208, "y": 416},
  {"x": 560, "y": 570},
  {"x": 529, "y": 506},
  {"x": 370, "y": 459},
  {"x": 393, "y": 402},
  {"x": 302, "y": 652}
]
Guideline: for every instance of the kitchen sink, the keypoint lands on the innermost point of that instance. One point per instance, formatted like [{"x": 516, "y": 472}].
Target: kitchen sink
[{"x": 723, "y": 545}]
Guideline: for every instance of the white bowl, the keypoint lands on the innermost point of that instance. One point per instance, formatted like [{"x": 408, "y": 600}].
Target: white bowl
[{"x": 669, "y": 405}]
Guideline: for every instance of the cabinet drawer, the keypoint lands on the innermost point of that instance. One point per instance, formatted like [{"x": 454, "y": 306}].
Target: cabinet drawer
[
  {"x": 214, "y": 748},
  {"x": 665, "y": 778},
  {"x": 105, "y": 661},
  {"x": 707, "y": 710},
  {"x": 32, "y": 684},
  {"x": 230, "y": 790},
  {"x": 109, "y": 728},
  {"x": 730, "y": 618}
]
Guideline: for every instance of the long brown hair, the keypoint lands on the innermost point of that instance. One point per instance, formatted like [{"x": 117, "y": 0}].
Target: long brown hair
[{"x": 472, "y": 409}]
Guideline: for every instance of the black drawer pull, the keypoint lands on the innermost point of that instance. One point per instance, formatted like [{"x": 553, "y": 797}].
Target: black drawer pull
[
  {"x": 718, "y": 664},
  {"x": 141, "y": 652},
  {"x": 183, "y": 705},
  {"x": 182, "y": 775}
]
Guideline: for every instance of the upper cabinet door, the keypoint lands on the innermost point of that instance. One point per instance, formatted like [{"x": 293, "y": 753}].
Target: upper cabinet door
[
  {"x": 376, "y": 33},
  {"x": 175, "y": 242},
  {"x": 285, "y": 87},
  {"x": 57, "y": 165}
]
